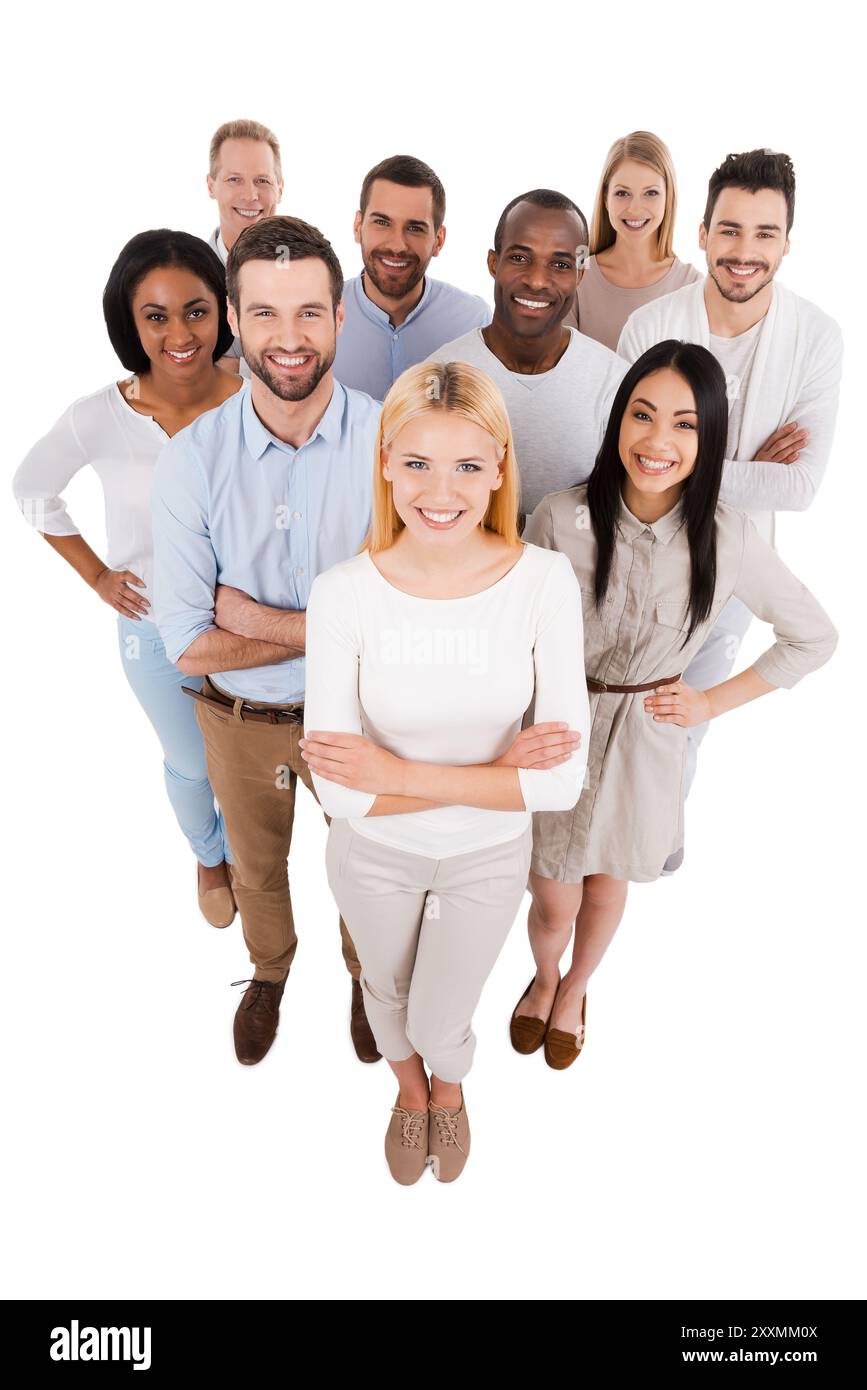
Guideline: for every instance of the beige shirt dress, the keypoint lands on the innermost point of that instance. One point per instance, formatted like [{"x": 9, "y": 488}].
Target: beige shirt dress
[{"x": 629, "y": 817}]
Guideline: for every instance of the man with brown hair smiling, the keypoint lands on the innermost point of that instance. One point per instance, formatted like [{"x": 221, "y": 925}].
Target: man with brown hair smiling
[
  {"x": 250, "y": 503},
  {"x": 395, "y": 315}
]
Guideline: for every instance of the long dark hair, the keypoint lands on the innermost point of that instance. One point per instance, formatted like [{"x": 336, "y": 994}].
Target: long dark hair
[
  {"x": 703, "y": 373},
  {"x": 142, "y": 254}
]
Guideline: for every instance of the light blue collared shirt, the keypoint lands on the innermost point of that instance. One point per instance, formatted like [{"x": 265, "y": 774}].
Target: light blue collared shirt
[
  {"x": 233, "y": 505},
  {"x": 371, "y": 352}
]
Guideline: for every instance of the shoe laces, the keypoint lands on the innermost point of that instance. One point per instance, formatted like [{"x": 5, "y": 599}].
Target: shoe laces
[
  {"x": 411, "y": 1126},
  {"x": 447, "y": 1125},
  {"x": 259, "y": 988}
]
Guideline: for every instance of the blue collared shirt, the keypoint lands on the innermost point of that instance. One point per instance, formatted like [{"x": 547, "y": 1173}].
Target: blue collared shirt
[
  {"x": 371, "y": 352},
  {"x": 233, "y": 505}
]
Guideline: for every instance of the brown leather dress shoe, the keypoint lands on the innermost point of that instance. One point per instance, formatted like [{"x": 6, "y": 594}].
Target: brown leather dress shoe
[
  {"x": 256, "y": 1019},
  {"x": 362, "y": 1037},
  {"x": 561, "y": 1048},
  {"x": 527, "y": 1033}
]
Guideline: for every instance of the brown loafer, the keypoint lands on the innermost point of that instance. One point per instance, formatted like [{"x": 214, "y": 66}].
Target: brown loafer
[
  {"x": 362, "y": 1035},
  {"x": 256, "y": 1019},
  {"x": 527, "y": 1033},
  {"x": 561, "y": 1048},
  {"x": 217, "y": 905}
]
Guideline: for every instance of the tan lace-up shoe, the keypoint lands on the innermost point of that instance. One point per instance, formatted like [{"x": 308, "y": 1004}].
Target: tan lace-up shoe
[
  {"x": 448, "y": 1140},
  {"x": 406, "y": 1143}
]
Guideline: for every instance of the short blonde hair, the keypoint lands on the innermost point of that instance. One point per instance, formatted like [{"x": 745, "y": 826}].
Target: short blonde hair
[
  {"x": 468, "y": 392},
  {"x": 243, "y": 130},
  {"x": 647, "y": 149}
]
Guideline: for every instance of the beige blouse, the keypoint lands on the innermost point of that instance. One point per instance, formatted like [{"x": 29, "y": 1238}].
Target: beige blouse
[
  {"x": 603, "y": 307},
  {"x": 629, "y": 817}
]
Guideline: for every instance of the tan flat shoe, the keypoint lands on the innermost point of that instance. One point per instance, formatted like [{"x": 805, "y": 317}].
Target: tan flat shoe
[
  {"x": 217, "y": 905},
  {"x": 526, "y": 1033},
  {"x": 561, "y": 1048}
]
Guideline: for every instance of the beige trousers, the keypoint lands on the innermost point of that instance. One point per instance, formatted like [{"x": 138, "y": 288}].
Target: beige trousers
[{"x": 427, "y": 933}]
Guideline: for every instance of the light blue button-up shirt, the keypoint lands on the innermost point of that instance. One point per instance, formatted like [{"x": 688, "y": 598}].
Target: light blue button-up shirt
[
  {"x": 234, "y": 505},
  {"x": 371, "y": 352}
]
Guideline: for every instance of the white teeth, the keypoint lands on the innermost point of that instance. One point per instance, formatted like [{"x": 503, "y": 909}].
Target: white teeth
[
  {"x": 533, "y": 303},
  {"x": 439, "y": 516},
  {"x": 248, "y": 212},
  {"x": 399, "y": 265},
  {"x": 656, "y": 465},
  {"x": 743, "y": 270},
  {"x": 630, "y": 223},
  {"x": 289, "y": 361},
  {"x": 181, "y": 356}
]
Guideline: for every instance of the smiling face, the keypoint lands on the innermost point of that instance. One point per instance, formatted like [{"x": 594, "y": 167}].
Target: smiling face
[
  {"x": 659, "y": 434},
  {"x": 397, "y": 237},
  {"x": 177, "y": 318},
  {"x": 287, "y": 324},
  {"x": 246, "y": 186},
  {"x": 635, "y": 200},
  {"x": 442, "y": 469},
  {"x": 536, "y": 273},
  {"x": 746, "y": 241}
]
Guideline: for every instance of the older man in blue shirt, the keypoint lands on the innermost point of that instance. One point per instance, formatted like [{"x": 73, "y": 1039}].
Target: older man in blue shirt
[
  {"x": 250, "y": 503},
  {"x": 395, "y": 315}
]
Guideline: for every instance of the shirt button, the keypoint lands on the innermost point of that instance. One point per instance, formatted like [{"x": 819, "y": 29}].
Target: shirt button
[
  {"x": 296, "y": 515},
  {"x": 300, "y": 569}
]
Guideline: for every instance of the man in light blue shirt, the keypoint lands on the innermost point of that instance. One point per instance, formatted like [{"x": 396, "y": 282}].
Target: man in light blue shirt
[
  {"x": 250, "y": 502},
  {"x": 395, "y": 315}
]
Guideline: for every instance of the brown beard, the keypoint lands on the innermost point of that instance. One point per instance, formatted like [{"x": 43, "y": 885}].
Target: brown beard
[
  {"x": 414, "y": 279},
  {"x": 732, "y": 299},
  {"x": 290, "y": 390}
]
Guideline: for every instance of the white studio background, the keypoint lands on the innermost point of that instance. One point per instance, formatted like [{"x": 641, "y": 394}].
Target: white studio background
[{"x": 709, "y": 1142}]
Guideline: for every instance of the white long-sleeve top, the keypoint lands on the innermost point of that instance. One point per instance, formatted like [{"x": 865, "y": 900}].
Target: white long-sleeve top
[
  {"x": 795, "y": 376},
  {"x": 122, "y": 447},
  {"x": 448, "y": 681}
]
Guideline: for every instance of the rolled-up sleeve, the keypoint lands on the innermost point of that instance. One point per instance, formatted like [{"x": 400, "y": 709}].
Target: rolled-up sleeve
[
  {"x": 185, "y": 565},
  {"x": 331, "y": 700},
  {"x": 44, "y": 472},
  {"x": 805, "y": 635},
  {"x": 561, "y": 690}
]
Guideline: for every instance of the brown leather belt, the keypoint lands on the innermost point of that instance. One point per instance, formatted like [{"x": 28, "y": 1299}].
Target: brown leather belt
[
  {"x": 292, "y": 714},
  {"x": 604, "y": 687}
]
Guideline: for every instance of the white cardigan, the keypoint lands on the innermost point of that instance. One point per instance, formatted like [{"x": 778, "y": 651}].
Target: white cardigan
[{"x": 795, "y": 376}]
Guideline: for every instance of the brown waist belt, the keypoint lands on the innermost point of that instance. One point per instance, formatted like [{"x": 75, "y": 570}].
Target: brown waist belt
[
  {"x": 287, "y": 714},
  {"x": 602, "y": 687}
]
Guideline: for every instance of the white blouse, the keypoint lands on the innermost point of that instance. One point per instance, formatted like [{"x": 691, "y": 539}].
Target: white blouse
[
  {"x": 449, "y": 681},
  {"x": 122, "y": 446}
]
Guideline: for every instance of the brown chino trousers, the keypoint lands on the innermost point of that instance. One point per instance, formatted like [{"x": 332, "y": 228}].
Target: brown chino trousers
[{"x": 253, "y": 769}]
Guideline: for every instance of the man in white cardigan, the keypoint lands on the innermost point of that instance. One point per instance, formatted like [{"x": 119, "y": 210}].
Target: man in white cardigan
[{"x": 782, "y": 357}]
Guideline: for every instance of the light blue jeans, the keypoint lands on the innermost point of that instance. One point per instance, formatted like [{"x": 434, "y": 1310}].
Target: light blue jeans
[{"x": 156, "y": 684}]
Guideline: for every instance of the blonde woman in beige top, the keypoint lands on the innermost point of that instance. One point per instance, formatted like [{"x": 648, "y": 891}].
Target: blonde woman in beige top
[
  {"x": 657, "y": 556},
  {"x": 631, "y": 258}
]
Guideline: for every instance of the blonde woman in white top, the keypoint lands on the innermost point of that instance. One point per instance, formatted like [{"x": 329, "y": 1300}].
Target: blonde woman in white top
[
  {"x": 165, "y": 310},
  {"x": 631, "y": 253},
  {"x": 424, "y": 653}
]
